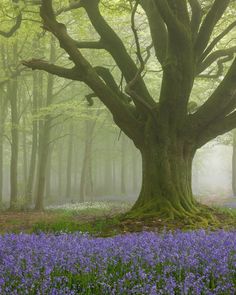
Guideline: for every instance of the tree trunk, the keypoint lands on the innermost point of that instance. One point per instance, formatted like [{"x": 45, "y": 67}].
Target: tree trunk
[
  {"x": 25, "y": 158},
  {"x": 123, "y": 165},
  {"x": 44, "y": 139},
  {"x": 234, "y": 164},
  {"x": 48, "y": 183},
  {"x": 1, "y": 158},
  {"x": 134, "y": 171},
  {"x": 3, "y": 105},
  {"x": 60, "y": 170},
  {"x": 12, "y": 91},
  {"x": 166, "y": 180},
  {"x": 69, "y": 162},
  {"x": 84, "y": 180},
  {"x": 37, "y": 90}
]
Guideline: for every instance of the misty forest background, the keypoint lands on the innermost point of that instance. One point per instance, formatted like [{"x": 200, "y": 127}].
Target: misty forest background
[{"x": 59, "y": 144}]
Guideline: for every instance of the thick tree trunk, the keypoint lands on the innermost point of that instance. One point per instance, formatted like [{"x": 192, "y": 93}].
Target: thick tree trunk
[{"x": 166, "y": 180}]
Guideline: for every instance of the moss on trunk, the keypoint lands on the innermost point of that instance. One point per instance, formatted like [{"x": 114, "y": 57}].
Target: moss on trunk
[{"x": 166, "y": 181}]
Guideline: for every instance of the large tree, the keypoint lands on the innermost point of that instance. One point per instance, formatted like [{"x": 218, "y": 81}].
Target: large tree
[{"x": 164, "y": 131}]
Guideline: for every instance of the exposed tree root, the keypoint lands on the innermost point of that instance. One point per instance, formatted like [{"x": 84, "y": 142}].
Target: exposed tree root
[{"x": 189, "y": 214}]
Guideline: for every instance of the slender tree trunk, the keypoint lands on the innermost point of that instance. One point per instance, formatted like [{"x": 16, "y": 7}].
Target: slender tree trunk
[
  {"x": 3, "y": 106},
  {"x": 234, "y": 163},
  {"x": 114, "y": 181},
  {"x": 37, "y": 89},
  {"x": 44, "y": 140},
  {"x": 12, "y": 92},
  {"x": 89, "y": 128},
  {"x": 1, "y": 155},
  {"x": 69, "y": 162},
  {"x": 48, "y": 190},
  {"x": 107, "y": 186},
  {"x": 25, "y": 158},
  {"x": 76, "y": 168},
  {"x": 134, "y": 171},
  {"x": 60, "y": 169},
  {"x": 89, "y": 183},
  {"x": 123, "y": 163},
  {"x": 166, "y": 178}
]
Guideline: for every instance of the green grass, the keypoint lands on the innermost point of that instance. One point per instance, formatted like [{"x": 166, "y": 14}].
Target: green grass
[
  {"x": 108, "y": 220},
  {"x": 102, "y": 226}
]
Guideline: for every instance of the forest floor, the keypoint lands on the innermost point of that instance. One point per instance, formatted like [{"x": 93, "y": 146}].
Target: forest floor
[{"x": 107, "y": 219}]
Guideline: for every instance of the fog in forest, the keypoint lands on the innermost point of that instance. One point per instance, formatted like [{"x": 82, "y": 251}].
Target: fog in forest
[
  {"x": 58, "y": 140},
  {"x": 90, "y": 160}
]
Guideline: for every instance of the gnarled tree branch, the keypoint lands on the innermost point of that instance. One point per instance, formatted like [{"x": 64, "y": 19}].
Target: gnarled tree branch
[
  {"x": 122, "y": 114},
  {"x": 157, "y": 28},
  {"x": 216, "y": 40},
  {"x": 214, "y": 56},
  {"x": 37, "y": 64},
  {"x": 220, "y": 104},
  {"x": 114, "y": 45}
]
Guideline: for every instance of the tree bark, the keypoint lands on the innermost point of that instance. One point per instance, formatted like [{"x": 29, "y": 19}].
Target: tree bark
[{"x": 166, "y": 179}]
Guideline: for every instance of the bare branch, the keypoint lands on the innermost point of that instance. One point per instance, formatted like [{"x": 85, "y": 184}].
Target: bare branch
[
  {"x": 216, "y": 40},
  {"x": 83, "y": 71},
  {"x": 14, "y": 28},
  {"x": 218, "y": 128},
  {"x": 157, "y": 28},
  {"x": 208, "y": 25},
  {"x": 220, "y": 65},
  {"x": 114, "y": 45},
  {"x": 37, "y": 64},
  {"x": 130, "y": 87},
  {"x": 214, "y": 56},
  {"x": 220, "y": 104}
]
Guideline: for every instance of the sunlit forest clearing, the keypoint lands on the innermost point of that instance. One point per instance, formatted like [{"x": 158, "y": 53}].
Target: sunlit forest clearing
[{"x": 117, "y": 147}]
